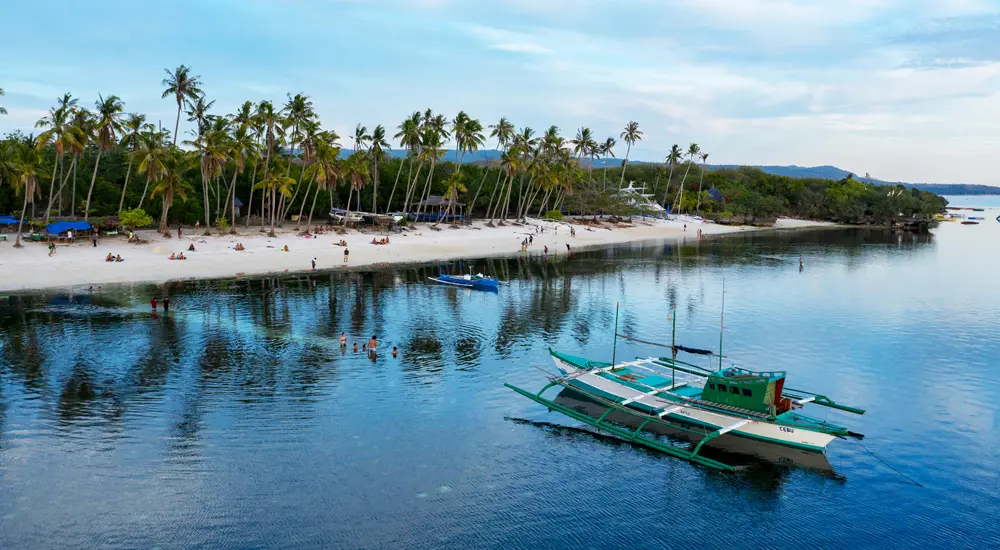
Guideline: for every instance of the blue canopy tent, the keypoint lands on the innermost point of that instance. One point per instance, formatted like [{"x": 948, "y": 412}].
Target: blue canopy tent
[
  {"x": 62, "y": 227},
  {"x": 8, "y": 220}
]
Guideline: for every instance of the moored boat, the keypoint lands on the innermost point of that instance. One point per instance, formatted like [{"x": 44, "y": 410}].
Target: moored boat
[
  {"x": 478, "y": 281},
  {"x": 967, "y": 222}
]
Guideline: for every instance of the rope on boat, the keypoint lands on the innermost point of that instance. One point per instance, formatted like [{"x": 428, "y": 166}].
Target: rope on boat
[
  {"x": 668, "y": 346},
  {"x": 890, "y": 466}
]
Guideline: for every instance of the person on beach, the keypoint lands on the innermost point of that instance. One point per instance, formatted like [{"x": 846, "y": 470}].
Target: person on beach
[
  {"x": 546, "y": 250},
  {"x": 346, "y": 254},
  {"x": 109, "y": 258},
  {"x": 197, "y": 224},
  {"x": 343, "y": 339},
  {"x": 286, "y": 248},
  {"x": 394, "y": 351},
  {"x": 685, "y": 227},
  {"x": 118, "y": 258},
  {"x": 69, "y": 235},
  {"x": 93, "y": 238},
  {"x": 166, "y": 304},
  {"x": 314, "y": 264},
  {"x": 153, "y": 303},
  {"x": 531, "y": 240},
  {"x": 568, "y": 249},
  {"x": 180, "y": 232},
  {"x": 191, "y": 247},
  {"x": 173, "y": 256}
]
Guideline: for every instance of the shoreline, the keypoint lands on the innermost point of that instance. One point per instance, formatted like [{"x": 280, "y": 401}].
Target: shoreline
[{"x": 82, "y": 265}]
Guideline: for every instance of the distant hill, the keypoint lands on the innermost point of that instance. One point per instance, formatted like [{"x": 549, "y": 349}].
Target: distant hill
[{"x": 822, "y": 172}]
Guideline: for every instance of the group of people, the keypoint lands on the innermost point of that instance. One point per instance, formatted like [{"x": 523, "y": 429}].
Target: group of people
[
  {"x": 112, "y": 258},
  {"x": 178, "y": 256},
  {"x": 239, "y": 247},
  {"x": 370, "y": 347},
  {"x": 166, "y": 303},
  {"x": 383, "y": 240},
  {"x": 341, "y": 243}
]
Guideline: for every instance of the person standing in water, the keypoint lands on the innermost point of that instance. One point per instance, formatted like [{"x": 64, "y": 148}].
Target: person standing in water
[
  {"x": 372, "y": 344},
  {"x": 166, "y": 304},
  {"x": 153, "y": 303},
  {"x": 343, "y": 339}
]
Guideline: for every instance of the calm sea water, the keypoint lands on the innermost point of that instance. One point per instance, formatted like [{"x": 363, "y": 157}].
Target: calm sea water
[{"x": 236, "y": 421}]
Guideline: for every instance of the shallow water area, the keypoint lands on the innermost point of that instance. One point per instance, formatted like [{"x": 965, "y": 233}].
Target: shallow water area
[{"x": 236, "y": 420}]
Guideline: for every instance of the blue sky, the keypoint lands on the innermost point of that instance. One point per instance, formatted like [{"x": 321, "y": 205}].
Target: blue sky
[{"x": 902, "y": 89}]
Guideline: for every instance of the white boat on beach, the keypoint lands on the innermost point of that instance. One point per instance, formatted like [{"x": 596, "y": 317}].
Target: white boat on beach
[{"x": 634, "y": 197}]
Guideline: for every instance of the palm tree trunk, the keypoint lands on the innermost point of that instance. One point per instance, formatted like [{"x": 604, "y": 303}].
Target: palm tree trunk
[
  {"x": 545, "y": 199},
  {"x": 680, "y": 193},
  {"x": 412, "y": 187},
  {"x": 20, "y": 224},
  {"x": 388, "y": 205},
  {"x": 274, "y": 213},
  {"x": 232, "y": 201},
  {"x": 52, "y": 188},
  {"x": 374, "y": 186},
  {"x": 350, "y": 193},
  {"x": 93, "y": 178},
  {"x": 605, "y": 175},
  {"x": 253, "y": 181},
  {"x": 125, "y": 186},
  {"x": 468, "y": 213},
  {"x": 177, "y": 124},
  {"x": 302, "y": 208},
  {"x": 624, "y": 164},
  {"x": 427, "y": 187},
  {"x": 311, "y": 208},
  {"x": 63, "y": 184},
  {"x": 489, "y": 207},
  {"x": 72, "y": 208},
  {"x": 670, "y": 176},
  {"x": 701, "y": 179}
]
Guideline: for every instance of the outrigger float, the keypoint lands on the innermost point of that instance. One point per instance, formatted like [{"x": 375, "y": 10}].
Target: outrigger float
[{"x": 681, "y": 395}]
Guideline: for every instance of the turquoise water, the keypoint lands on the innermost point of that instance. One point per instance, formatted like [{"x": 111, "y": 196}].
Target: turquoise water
[{"x": 235, "y": 421}]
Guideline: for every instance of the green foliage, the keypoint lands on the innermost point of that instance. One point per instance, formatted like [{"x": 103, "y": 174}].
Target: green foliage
[
  {"x": 136, "y": 217},
  {"x": 222, "y": 224},
  {"x": 553, "y": 215}
]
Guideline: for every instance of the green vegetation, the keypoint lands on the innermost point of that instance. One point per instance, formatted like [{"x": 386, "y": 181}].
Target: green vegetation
[
  {"x": 279, "y": 160},
  {"x": 134, "y": 218}
]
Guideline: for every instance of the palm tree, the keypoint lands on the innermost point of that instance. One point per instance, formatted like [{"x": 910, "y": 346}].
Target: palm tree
[
  {"x": 312, "y": 135},
  {"x": 504, "y": 132},
  {"x": 182, "y": 86},
  {"x": 704, "y": 159},
  {"x": 83, "y": 129},
  {"x": 170, "y": 182},
  {"x": 693, "y": 150},
  {"x": 325, "y": 169},
  {"x": 2, "y": 110},
  {"x": 197, "y": 112},
  {"x": 376, "y": 150},
  {"x": 433, "y": 149},
  {"x": 607, "y": 149},
  {"x": 132, "y": 130},
  {"x": 25, "y": 165},
  {"x": 209, "y": 149},
  {"x": 409, "y": 139},
  {"x": 631, "y": 135},
  {"x": 275, "y": 184},
  {"x": 58, "y": 132},
  {"x": 454, "y": 183},
  {"x": 108, "y": 125},
  {"x": 151, "y": 154},
  {"x": 356, "y": 174},
  {"x": 240, "y": 148},
  {"x": 269, "y": 126},
  {"x": 361, "y": 137},
  {"x": 672, "y": 159}
]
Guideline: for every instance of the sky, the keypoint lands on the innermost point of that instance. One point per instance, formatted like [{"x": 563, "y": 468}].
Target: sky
[{"x": 906, "y": 90}]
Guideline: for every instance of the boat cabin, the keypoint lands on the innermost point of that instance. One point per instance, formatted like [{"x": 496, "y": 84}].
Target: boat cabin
[{"x": 744, "y": 389}]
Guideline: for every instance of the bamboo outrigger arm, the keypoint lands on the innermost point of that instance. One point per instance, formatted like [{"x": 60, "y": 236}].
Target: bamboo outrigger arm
[
  {"x": 632, "y": 436},
  {"x": 818, "y": 399}
]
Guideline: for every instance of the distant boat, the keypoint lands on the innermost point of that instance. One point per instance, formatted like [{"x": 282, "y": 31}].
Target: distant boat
[
  {"x": 976, "y": 218},
  {"x": 978, "y": 209},
  {"x": 478, "y": 282},
  {"x": 340, "y": 215},
  {"x": 966, "y": 222}
]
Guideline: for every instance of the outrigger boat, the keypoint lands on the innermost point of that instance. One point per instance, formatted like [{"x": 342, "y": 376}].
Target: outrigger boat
[
  {"x": 663, "y": 390},
  {"x": 478, "y": 282}
]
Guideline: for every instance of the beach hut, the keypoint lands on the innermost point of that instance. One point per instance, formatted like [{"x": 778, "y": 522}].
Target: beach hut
[
  {"x": 434, "y": 208},
  {"x": 58, "y": 229},
  {"x": 237, "y": 206},
  {"x": 715, "y": 194}
]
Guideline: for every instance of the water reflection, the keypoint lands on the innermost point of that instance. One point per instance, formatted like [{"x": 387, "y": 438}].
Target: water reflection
[{"x": 239, "y": 412}]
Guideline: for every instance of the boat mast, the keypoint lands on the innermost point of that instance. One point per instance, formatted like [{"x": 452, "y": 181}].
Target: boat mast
[
  {"x": 614, "y": 347},
  {"x": 673, "y": 347},
  {"x": 722, "y": 320}
]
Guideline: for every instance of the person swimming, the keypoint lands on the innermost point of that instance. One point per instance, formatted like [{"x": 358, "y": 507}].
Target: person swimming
[
  {"x": 394, "y": 351},
  {"x": 355, "y": 347}
]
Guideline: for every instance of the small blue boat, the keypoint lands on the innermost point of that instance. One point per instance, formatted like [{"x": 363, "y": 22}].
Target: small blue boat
[{"x": 478, "y": 282}]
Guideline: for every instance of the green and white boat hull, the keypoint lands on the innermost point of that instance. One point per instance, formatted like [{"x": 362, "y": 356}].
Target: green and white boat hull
[{"x": 669, "y": 407}]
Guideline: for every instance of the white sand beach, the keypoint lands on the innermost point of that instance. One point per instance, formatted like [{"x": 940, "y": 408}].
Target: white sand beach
[{"x": 81, "y": 265}]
